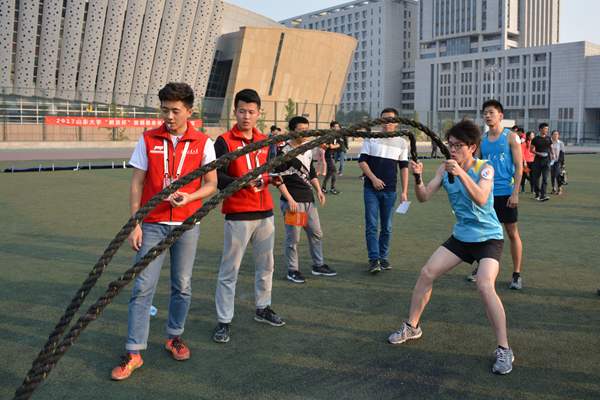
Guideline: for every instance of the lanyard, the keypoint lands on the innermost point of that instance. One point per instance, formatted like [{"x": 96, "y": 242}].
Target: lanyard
[
  {"x": 249, "y": 160},
  {"x": 166, "y": 158}
]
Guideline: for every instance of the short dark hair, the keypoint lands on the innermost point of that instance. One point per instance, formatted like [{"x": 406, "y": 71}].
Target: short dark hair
[
  {"x": 542, "y": 126},
  {"x": 466, "y": 131},
  {"x": 515, "y": 128},
  {"x": 247, "y": 96},
  {"x": 177, "y": 91},
  {"x": 294, "y": 122},
  {"x": 274, "y": 128},
  {"x": 389, "y": 110},
  {"x": 493, "y": 103},
  {"x": 333, "y": 124}
]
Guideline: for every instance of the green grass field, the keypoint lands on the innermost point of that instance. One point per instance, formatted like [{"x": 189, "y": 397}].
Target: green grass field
[{"x": 55, "y": 226}]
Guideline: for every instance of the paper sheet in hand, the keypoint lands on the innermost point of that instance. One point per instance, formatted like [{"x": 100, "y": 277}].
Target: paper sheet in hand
[{"x": 403, "y": 207}]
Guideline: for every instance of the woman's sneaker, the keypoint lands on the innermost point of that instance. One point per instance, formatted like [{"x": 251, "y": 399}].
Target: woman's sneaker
[
  {"x": 504, "y": 360},
  {"x": 406, "y": 332},
  {"x": 295, "y": 276},
  {"x": 323, "y": 270},
  {"x": 268, "y": 316}
]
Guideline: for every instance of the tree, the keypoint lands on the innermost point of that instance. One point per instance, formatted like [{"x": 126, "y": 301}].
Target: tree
[
  {"x": 261, "y": 123},
  {"x": 290, "y": 110}
]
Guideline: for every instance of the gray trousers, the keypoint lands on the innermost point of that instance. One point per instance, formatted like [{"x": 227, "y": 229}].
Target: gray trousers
[
  {"x": 261, "y": 235},
  {"x": 313, "y": 233}
]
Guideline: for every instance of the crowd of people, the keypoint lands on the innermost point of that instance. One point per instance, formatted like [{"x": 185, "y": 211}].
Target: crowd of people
[{"x": 482, "y": 179}]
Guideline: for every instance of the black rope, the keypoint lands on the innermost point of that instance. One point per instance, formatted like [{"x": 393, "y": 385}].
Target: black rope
[{"x": 55, "y": 348}]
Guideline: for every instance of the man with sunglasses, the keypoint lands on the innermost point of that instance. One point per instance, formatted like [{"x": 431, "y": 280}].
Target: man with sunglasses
[{"x": 476, "y": 236}]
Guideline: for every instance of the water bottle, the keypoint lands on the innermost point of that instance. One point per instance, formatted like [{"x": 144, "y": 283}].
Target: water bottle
[{"x": 153, "y": 311}]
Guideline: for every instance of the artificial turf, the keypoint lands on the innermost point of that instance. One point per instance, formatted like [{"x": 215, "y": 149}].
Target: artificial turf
[{"x": 55, "y": 225}]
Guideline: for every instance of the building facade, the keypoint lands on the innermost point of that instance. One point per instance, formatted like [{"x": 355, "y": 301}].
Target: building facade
[
  {"x": 106, "y": 51},
  {"x": 382, "y": 69},
  {"x": 307, "y": 67},
  {"x": 474, "y": 50},
  {"x": 455, "y": 27},
  {"x": 558, "y": 84}
]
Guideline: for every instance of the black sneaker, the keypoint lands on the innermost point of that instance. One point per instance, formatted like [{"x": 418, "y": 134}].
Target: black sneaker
[
  {"x": 295, "y": 276},
  {"x": 545, "y": 198},
  {"x": 334, "y": 191},
  {"x": 323, "y": 270},
  {"x": 268, "y": 316},
  {"x": 221, "y": 334},
  {"x": 384, "y": 264},
  {"x": 374, "y": 266},
  {"x": 324, "y": 190}
]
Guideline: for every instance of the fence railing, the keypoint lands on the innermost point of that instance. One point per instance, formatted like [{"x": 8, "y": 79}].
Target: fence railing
[{"x": 22, "y": 117}]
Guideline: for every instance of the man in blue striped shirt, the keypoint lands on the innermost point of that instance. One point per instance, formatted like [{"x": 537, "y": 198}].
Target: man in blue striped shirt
[{"x": 380, "y": 160}]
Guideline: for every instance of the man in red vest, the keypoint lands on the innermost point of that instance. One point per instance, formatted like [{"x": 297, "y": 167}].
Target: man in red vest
[
  {"x": 161, "y": 157},
  {"x": 248, "y": 219}
]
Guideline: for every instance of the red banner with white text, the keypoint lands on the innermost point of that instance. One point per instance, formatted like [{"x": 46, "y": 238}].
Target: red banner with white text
[{"x": 95, "y": 122}]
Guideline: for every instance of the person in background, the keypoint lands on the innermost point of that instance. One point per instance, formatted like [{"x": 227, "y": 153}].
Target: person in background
[
  {"x": 274, "y": 131},
  {"x": 557, "y": 162},
  {"x": 528, "y": 158},
  {"x": 297, "y": 196},
  {"x": 380, "y": 160},
  {"x": 541, "y": 146}
]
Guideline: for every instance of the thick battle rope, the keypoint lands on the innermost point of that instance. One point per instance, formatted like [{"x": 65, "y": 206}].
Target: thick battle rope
[{"x": 56, "y": 347}]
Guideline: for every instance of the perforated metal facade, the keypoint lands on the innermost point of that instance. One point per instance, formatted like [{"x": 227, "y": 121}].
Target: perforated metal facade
[{"x": 106, "y": 51}]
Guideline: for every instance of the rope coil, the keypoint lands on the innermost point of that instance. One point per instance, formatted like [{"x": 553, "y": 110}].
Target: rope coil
[{"x": 57, "y": 344}]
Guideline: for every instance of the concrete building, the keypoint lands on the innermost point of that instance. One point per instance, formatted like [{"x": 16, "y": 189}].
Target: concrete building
[
  {"x": 382, "y": 69},
  {"x": 67, "y": 62},
  {"x": 307, "y": 67},
  {"x": 454, "y": 27},
  {"x": 558, "y": 84},
  {"x": 474, "y": 50},
  {"x": 106, "y": 51}
]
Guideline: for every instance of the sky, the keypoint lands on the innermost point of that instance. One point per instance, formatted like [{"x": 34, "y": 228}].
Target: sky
[{"x": 579, "y": 18}]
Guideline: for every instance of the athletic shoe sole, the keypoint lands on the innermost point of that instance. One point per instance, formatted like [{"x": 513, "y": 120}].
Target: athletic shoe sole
[
  {"x": 289, "y": 278},
  {"x": 374, "y": 271},
  {"x": 324, "y": 273},
  {"x": 407, "y": 339},
  {"x": 265, "y": 321},
  {"x": 221, "y": 340}
]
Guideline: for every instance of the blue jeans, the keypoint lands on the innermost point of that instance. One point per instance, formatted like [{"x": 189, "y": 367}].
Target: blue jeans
[
  {"x": 183, "y": 253},
  {"x": 379, "y": 207},
  {"x": 342, "y": 160}
]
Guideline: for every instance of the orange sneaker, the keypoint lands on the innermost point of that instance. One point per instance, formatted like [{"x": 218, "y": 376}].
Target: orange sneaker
[
  {"x": 129, "y": 363},
  {"x": 178, "y": 349}
]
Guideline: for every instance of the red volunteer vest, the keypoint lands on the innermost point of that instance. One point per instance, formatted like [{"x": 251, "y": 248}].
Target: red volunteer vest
[
  {"x": 155, "y": 175},
  {"x": 246, "y": 199}
]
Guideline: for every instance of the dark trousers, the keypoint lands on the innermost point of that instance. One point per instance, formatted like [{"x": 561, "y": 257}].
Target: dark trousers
[
  {"x": 541, "y": 170},
  {"x": 554, "y": 174},
  {"x": 331, "y": 173},
  {"x": 528, "y": 177}
]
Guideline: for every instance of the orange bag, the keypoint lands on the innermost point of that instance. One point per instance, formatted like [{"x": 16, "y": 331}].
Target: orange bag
[{"x": 296, "y": 218}]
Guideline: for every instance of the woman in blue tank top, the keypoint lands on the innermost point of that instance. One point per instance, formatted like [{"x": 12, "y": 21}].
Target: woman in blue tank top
[{"x": 476, "y": 236}]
